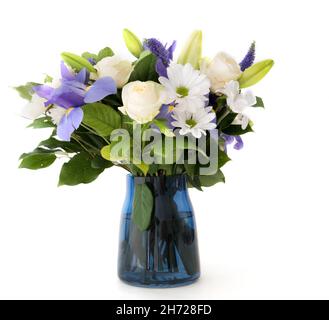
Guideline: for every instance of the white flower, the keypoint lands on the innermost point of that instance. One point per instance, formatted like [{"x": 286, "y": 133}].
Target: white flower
[
  {"x": 56, "y": 114},
  {"x": 222, "y": 69},
  {"x": 142, "y": 100},
  {"x": 116, "y": 68},
  {"x": 242, "y": 120},
  {"x": 35, "y": 108},
  {"x": 195, "y": 123},
  {"x": 237, "y": 101},
  {"x": 186, "y": 86}
]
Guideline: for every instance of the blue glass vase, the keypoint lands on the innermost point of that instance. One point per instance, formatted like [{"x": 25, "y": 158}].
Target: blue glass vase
[{"x": 166, "y": 254}]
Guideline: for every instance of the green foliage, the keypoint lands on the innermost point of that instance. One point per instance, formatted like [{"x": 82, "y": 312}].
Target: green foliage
[
  {"x": 105, "y": 52},
  {"x": 259, "y": 103},
  {"x": 142, "y": 206},
  {"x": 255, "y": 73},
  {"x": 78, "y": 170},
  {"x": 208, "y": 181},
  {"x": 38, "y": 159},
  {"x": 87, "y": 55},
  {"x": 101, "y": 118},
  {"x": 132, "y": 42},
  {"x": 76, "y": 62},
  {"x": 236, "y": 130},
  {"x": 162, "y": 125},
  {"x": 68, "y": 146},
  {"x": 25, "y": 91},
  {"x": 144, "y": 69},
  {"x": 223, "y": 158},
  {"x": 100, "y": 163},
  {"x": 40, "y": 123},
  {"x": 226, "y": 121}
]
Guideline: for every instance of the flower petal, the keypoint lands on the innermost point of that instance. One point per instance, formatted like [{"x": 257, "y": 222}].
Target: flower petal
[
  {"x": 44, "y": 91},
  {"x": 70, "y": 122},
  {"x": 82, "y": 76},
  {"x": 100, "y": 89},
  {"x": 65, "y": 72}
]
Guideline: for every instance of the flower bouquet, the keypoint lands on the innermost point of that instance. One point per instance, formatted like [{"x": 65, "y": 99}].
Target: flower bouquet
[{"x": 168, "y": 123}]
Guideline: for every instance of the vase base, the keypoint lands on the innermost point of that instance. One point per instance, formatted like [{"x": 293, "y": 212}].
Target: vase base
[{"x": 158, "y": 280}]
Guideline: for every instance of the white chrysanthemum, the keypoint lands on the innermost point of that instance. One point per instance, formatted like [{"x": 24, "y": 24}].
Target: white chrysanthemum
[
  {"x": 186, "y": 86},
  {"x": 195, "y": 123}
]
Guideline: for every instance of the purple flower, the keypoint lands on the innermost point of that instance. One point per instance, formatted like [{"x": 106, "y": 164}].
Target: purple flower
[
  {"x": 164, "y": 55},
  {"x": 166, "y": 113},
  {"x": 230, "y": 139},
  {"x": 249, "y": 59},
  {"x": 72, "y": 94}
]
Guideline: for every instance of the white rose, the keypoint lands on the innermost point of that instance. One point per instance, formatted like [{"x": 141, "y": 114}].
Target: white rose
[
  {"x": 119, "y": 70},
  {"x": 142, "y": 100},
  {"x": 220, "y": 70}
]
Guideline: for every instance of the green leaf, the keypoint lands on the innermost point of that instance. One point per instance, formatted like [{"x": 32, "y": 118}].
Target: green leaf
[
  {"x": 208, "y": 181},
  {"x": 259, "y": 103},
  {"x": 77, "y": 62},
  {"x": 236, "y": 130},
  {"x": 106, "y": 152},
  {"x": 106, "y": 52},
  {"x": 162, "y": 125},
  {"x": 133, "y": 43},
  {"x": 227, "y": 121},
  {"x": 48, "y": 79},
  {"x": 100, "y": 163},
  {"x": 88, "y": 55},
  {"x": 255, "y": 73},
  {"x": 67, "y": 146},
  {"x": 142, "y": 206},
  {"x": 194, "y": 182},
  {"x": 144, "y": 69},
  {"x": 192, "y": 50},
  {"x": 78, "y": 170},
  {"x": 40, "y": 123},
  {"x": 25, "y": 91},
  {"x": 36, "y": 161},
  {"x": 223, "y": 158},
  {"x": 143, "y": 167},
  {"x": 101, "y": 118}
]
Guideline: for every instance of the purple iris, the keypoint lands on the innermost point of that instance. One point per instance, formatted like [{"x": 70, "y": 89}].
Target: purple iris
[
  {"x": 164, "y": 55},
  {"x": 72, "y": 94},
  {"x": 230, "y": 139}
]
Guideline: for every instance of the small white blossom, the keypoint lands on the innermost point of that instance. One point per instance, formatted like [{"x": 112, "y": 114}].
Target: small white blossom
[{"x": 237, "y": 101}]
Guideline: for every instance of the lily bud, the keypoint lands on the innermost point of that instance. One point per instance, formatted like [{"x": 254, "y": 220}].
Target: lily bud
[
  {"x": 133, "y": 44},
  {"x": 255, "y": 73},
  {"x": 192, "y": 50}
]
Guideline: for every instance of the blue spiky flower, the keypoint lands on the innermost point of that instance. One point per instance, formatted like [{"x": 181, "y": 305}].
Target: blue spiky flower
[
  {"x": 249, "y": 59},
  {"x": 164, "y": 55}
]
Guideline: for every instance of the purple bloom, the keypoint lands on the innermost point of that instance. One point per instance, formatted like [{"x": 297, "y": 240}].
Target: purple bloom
[
  {"x": 72, "y": 94},
  {"x": 164, "y": 55},
  {"x": 230, "y": 139},
  {"x": 166, "y": 113},
  {"x": 249, "y": 59}
]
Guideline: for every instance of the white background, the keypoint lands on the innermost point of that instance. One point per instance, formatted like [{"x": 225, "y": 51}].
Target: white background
[{"x": 264, "y": 234}]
